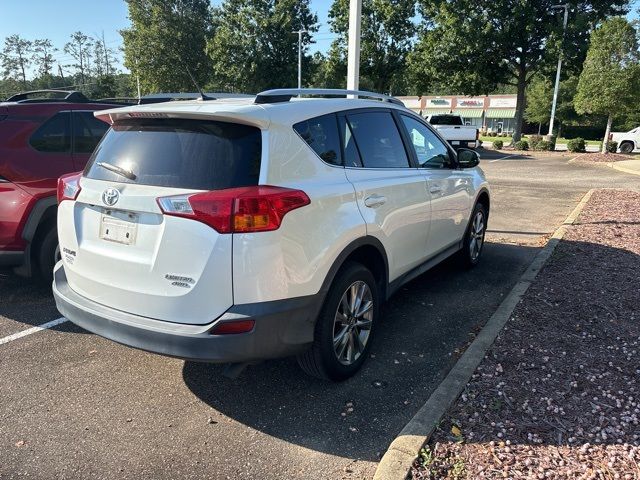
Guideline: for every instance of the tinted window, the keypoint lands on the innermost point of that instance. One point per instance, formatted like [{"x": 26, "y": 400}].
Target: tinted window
[
  {"x": 180, "y": 153},
  {"x": 53, "y": 135},
  {"x": 321, "y": 134},
  {"x": 378, "y": 140},
  {"x": 87, "y": 131},
  {"x": 445, "y": 120},
  {"x": 430, "y": 150}
]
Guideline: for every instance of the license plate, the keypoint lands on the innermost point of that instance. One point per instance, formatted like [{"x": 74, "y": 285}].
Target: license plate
[
  {"x": 119, "y": 230},
  {"x": 455, "y": 142}
]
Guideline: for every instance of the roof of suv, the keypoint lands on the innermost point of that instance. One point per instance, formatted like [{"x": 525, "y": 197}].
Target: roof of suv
[{"x": 245, "y": 110}]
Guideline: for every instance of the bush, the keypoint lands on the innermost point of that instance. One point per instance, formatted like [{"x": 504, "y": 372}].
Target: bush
[
  {"x": 576, "y": 145},
  {"x": 544, "y": 146},
  {"x": 497, "y": 144},
  {"x": 493, "y": 134},
  {"x": 552, "y": 141},
  {"x": 612, "y": 147},
  {"x": 534, "y": 140},
  {"x": 504, "y": 134},
  {"x": 522, "y": 145}
]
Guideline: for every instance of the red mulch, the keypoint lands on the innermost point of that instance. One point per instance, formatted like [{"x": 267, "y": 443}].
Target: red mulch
[
  {"x": 558, "y": 394},
  {"x": 604, "y": 157}
]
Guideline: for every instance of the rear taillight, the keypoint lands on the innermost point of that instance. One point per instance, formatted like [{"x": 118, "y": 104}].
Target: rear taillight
[
  {"x": 69, "y": 186},
  {"x": 237, "y": 210}
]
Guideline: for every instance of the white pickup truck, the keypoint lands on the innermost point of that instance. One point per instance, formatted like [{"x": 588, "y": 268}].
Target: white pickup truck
[
  {"x": 627, "y": 141},
  {"x": 453, "y": 130}
]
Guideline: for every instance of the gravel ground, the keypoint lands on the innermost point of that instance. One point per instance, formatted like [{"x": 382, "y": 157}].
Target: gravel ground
[
  {"x": 558, "y": 395},
  {"x": 605, "y": 157}
]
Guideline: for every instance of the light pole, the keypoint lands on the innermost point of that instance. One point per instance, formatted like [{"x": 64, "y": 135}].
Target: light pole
[
  {"x": 353, "y": 56},
  {"x": 557, "y": 85},
  {"x": 300, "y": 32}
]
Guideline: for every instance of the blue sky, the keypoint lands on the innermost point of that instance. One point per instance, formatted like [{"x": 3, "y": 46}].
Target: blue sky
[{"x": 57, "y": 20}]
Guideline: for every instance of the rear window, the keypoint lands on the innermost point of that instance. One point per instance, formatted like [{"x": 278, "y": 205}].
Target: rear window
[
  {"x": 179, "y": 153},
  {"x": 445, "y": 120}
]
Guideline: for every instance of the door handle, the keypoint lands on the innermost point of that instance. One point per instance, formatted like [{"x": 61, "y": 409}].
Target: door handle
[
  {"x": 435, "y": 189},
  {"x": 374, "y": 201}
]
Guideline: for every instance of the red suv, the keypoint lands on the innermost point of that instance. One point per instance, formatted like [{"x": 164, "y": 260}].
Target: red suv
[{"x": 40, "y": 140}]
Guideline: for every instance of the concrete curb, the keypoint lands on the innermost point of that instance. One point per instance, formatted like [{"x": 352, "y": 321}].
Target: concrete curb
[{"x": 396, "y": 462}]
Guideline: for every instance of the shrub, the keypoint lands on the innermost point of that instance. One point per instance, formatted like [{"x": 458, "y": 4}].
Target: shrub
[
  {"x": 576, "y": 145},
  {"x": 493, "y": 134},
  {"x": 534, "y": 140},
  {"x": 544, "y": 146},
  {"x": 522, "y": 145},
  {"x": 497, "y": 144},
  {"x": 504, "y": 134},
  {"x": 552, "y": 141},
  {"x": 612, "y": 147}
]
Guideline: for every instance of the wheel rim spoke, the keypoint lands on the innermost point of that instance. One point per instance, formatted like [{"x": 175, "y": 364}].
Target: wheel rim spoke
[{"x": 352, "y": 323}]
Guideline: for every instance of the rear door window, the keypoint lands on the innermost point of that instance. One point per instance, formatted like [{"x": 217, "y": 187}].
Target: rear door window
[
  {"x": 179, "y": 153},
  {"x": 378, "y": 140},
  {"x": 321, "y": 134},
  {"x": 54, "y": 135},
  {"x": 87, "y": 131}
]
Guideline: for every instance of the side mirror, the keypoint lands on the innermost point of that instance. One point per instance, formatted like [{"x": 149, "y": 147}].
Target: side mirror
[{"x": 468, "y": 158}]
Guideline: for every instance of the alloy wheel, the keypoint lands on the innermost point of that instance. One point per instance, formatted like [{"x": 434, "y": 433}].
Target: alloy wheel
[
  {"x": 352, "y": 322},
  {"x": 476, "y": 237}
]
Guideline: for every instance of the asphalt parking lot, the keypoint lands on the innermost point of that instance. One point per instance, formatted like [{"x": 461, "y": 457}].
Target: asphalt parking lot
[{"x": 73, "y": 405}]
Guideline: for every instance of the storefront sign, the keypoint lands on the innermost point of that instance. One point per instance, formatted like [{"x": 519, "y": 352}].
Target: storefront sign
[
  {"x": 503, "y": 102},
  {"x": 470, "y": 102},
  {"x": 438, "y": 102}
]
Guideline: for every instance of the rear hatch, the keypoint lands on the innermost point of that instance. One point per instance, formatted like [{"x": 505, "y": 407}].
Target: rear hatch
[{"x": 118, "y": 247}]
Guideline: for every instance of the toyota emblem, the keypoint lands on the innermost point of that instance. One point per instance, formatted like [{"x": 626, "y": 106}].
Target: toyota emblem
[{"x": 110, "y": 196}]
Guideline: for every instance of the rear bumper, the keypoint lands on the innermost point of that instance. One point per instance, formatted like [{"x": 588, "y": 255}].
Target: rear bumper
[
  {"x": 11, "y": 258},
  {"x": 282, "y": 328}
]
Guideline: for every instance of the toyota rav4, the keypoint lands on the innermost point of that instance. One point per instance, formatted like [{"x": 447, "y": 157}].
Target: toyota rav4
[{"x": 248, "y": 229}]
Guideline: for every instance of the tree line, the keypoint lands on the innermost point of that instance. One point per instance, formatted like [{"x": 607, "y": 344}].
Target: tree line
[
  {"x": 408, "y": 47},
  {"x": 83, "y": 63}
]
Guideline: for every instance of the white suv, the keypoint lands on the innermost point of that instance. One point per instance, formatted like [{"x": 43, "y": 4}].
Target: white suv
[{"x": 238, "y": 230}]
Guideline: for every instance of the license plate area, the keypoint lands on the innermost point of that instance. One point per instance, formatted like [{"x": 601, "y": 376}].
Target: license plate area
[
  {"x": 119, "y": 227},
  {"x": 455, "y": 142}
]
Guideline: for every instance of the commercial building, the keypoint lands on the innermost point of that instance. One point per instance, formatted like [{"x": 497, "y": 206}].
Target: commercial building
[{"x": 493, "y": 113}]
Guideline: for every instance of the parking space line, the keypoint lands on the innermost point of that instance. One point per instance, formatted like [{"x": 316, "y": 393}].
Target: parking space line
[
  {"x": 31, "y": 330},
  {"x": 502, "y": 158}
]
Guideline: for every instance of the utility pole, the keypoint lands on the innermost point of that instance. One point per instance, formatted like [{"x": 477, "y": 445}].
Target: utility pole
[
  {"x": 557, "y": 86},
  {"x": 353, "y": 57},
  {"x": 300, "y": 32}
]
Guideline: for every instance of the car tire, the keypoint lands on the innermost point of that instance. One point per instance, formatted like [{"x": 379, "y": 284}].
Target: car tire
[
  {"x": 342, "y": 337},
  {"x": 473, "y": 242},
  {"x": 626, "y": 147},
  {"x": 47, "y": 254}
]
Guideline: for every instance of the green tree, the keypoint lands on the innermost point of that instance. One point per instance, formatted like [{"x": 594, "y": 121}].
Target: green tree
[
  {"x": 166, "y": 38},
  {"x": 254, "y": 46},
  {"x": 16, "y": 57},
  {"x": 43, "y": 51},
  {"x": 80, "y": 50},
  {"x": 475, "y": 46},
  {"x": 540, "y": 97},
  {"x": 387, "y": 33},
  {"x": 610, "y": 80}
]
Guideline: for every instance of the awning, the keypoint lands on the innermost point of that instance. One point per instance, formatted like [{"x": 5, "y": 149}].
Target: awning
[
  {"x": 501, "y": 113},
  {"x": 469, "y": 112},
  {"x": 435, "y": 111}
]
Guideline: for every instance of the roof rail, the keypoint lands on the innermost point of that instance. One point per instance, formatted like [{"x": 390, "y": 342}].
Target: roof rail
[
  {"x": 172, "y": 96},
  {"x": 65, "y": 95},
  {"x": 279, "y": 95}
]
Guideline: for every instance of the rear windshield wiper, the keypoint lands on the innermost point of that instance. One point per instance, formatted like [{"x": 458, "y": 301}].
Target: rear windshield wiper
[{"x": 119, "y": 170}]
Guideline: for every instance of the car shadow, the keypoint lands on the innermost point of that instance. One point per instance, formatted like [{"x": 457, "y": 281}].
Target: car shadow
[{"x": 423, "y": 326}]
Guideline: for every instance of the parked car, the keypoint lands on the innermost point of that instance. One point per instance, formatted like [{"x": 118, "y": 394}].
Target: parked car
[
  {"x": 43, "y": 134},
  {"x": 627, "y": 141},
  {"x": 248, "y": 229},
  {"x": 452, "y": 129}
]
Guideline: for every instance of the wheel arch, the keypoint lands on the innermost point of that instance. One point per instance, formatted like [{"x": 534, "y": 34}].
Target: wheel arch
[{"x": 368, "y": 251}]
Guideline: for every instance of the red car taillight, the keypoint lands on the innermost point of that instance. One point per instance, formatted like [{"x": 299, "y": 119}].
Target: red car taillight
[
  {"x": 237, "y": 210},
  {"x": 69, "y": 186}
]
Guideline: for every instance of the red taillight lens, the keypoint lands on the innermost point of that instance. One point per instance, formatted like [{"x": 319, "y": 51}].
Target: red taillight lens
[
  {"x": 237, "y": 326},
  {"x": 69, "y": 186},
  {"x": 237, "y": 210}
]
